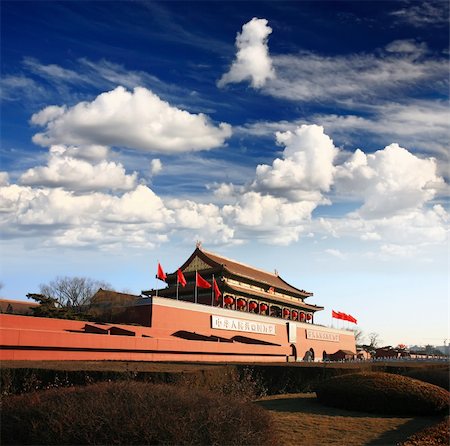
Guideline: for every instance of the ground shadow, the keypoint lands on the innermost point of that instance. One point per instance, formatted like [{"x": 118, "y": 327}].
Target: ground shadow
[
  {"x": 401, "y": 433},
  {"x": 308, "y": 403}
]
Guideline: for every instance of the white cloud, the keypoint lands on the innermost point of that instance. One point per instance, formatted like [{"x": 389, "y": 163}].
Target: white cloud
[
  {"x": 4, "y": 178},
  {"x": 77, "y": 174},
  {"x": 310, "y": 76},
  {"x": 422, "y": 14},
  {"x": 134, "y": 219},
  {"x": 137, "y": 120},
  {"x": 252, "y": 58},
  {"x": 390, "y": 190},
  {"x": 155, "y": 166},
  {"x": 407, "y": 46},
  {"x": 419, "y": 124},
  {"x": 388, "y": 181},
  {"x": 336, "y": 253},
  {"x": 418, "y": 228},
  {"x": 202, "y": 221},
  {"x": 272, "y": 219},
  {"x": 306, "y": 168}
]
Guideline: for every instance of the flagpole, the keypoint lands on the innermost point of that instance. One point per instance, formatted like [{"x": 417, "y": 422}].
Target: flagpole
[
  {"x": 212, "y": 291},
  {"x": 196, "y": 292}
]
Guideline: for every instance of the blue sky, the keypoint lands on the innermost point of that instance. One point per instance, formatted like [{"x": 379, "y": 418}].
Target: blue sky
[{"x": 307, "y": 137}]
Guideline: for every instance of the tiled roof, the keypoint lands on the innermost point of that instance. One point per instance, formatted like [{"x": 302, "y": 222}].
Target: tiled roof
[
  {"x": 243, "y": 270},
  {"x": 17, "y": 306},
  {"x": 113, "y": 296}
]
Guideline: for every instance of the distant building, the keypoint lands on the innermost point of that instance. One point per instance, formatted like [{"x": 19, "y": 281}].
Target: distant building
[
  {"x": 342, "y": 355},
  {"x": 11, "y": 306}
]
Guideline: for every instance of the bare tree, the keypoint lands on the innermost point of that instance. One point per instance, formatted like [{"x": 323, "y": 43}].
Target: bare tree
[
  {"x": 358, "y": 336},
  {"x": 374, "y": 339},
  {"x": 72, "y": 291}
]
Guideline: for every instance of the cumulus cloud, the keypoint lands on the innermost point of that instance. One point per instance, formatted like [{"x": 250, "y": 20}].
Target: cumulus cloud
[
  {"x": 252, "y": 61},
  {"x": 277, "y": 204},
  {"x": 134, "y": 219},
  {"x": 136, "y": 120},
  {"x": 390, "y": 190},
  {"x": 201, "y": 221},
  {"x": 63, "y": 170},
  {"x": 306, "y": 168},
  {"x": 388, "y": 181},
  {"x": 271, "y": 219}
]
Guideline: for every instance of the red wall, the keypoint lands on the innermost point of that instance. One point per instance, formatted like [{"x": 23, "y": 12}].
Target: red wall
[{"x": 33, "y": 338}]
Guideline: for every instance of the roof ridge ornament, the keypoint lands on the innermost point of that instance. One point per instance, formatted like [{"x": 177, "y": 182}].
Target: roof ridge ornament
[{"x": 198, "y": 244}]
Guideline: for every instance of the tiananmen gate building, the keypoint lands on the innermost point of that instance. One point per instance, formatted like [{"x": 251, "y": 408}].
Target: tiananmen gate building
[{"x": 213, "y": 310}]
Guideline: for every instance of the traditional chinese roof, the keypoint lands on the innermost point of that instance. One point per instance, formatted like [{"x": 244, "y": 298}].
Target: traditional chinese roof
[
  {"x": 115, "y": 297},
  {"x": 245, "y": 271},
  {"x": 17, "y": 306}
]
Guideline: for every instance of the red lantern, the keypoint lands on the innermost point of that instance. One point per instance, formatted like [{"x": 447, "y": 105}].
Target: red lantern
[
  {"x": 252, "y": 306},
  {"x": 241, "y": 303},
  {"x": 294, "y": 314},
  {"x": 286, "y": 312},
  {"x": 308, "y": 317},
  {"x": 228, "y": 300},
  {"x": 262, "y": 308},
  {"x": 302, "y": 316}
]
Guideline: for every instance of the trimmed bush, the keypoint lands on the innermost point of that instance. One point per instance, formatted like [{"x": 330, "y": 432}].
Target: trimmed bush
[
  {"x": 383, "y": 393},
  {"x": 132, "y": 413},
  {"x": 437, "y": 376},
  {"x": 439, "y": 434}
]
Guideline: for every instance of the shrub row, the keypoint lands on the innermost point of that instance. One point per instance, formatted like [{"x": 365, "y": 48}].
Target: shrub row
[
  {"x": 437, "y": 435},
  {"x": 132, "y": 413},
  {"x": 248, "y": 381},
  {"x": 437, "y": 376},
  {"x": 383, "y": 393}
]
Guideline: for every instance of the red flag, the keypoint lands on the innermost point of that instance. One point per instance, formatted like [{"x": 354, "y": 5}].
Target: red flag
[
  {"x": 335, "y": 314},
  {"x": 217, "y": 292},
  {"x": 352, "y": 319},
  {"x": 201, "y": 282},
  {"x": 161, "y": 275},
  {"x": 180, "y": 278}
]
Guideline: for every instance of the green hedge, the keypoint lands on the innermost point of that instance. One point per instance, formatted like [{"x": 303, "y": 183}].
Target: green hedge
[
  {"x": 132, "y": 413},
  {"x": 383, "y": 393}
]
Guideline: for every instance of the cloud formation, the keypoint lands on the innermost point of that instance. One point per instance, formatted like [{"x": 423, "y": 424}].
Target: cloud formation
[
  {"x": 423, "y": 13},
  {"x": 310, "y": 76},
  {"x": 252, "y": 61},
  {"x": 138, "y": 218},
  {"x": 136, "y": 120},
  {"x": 388, "y": 189},
  {"x": 306, "y": 168},
  {"x": 389, "y": 181},
  {"x": 65, "y": 170}
]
